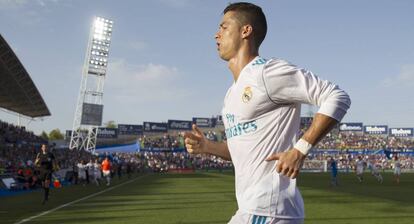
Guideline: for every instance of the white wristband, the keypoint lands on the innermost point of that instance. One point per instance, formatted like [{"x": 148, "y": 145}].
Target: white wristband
[{"x": 303, "y": 146}]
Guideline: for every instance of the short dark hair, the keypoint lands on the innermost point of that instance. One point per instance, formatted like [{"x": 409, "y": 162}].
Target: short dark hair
[{"x": 252, "y": 14}]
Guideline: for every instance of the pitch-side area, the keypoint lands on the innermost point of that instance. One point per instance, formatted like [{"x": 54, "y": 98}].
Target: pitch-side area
[{"x": 208, "y": 198}]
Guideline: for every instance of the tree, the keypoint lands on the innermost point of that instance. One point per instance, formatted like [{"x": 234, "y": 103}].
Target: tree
[
  {"x": 55, "y": 134},
  {"x": 110, "y": 124},
  {"x": 44, "y": 135}
]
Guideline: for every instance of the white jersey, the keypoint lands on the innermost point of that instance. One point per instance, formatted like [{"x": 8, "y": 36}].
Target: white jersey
[
  {"x": 81, "y": 170},
  {"x": 360, "y": 166},
  {"x": 261, "y": 114},
  {"x": 97, "y": 170},
  {"x": 397, "y": 168},
  {"x": 375, "y": 168},
  {"x": 90, "y": 168}
]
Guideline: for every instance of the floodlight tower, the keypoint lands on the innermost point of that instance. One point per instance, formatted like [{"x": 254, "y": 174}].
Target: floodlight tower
[{"x": 89, "y": 108}]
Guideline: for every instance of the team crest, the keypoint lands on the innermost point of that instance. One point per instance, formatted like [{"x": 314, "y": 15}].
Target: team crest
[{"x": 247, "y": 94}]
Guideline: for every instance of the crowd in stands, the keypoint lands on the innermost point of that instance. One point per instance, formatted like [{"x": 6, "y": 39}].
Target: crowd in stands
[
  {"x": 18, "y": 137},
  {"x": 165, "y": 161},
  {"x": 166, "y": 141},
  {"x": 352, "y": 140},
  {"x": 174, "y": 140},
  {"x": 19, "y": 147},
  {"x": 347, "y": 161}
]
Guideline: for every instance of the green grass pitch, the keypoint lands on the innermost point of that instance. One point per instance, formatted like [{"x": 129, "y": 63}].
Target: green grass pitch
[{"x": 208, "y": 198}]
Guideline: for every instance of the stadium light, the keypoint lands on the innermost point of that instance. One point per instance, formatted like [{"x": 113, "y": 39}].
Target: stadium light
[
  {"x": 102, "y": 30},
  {"x": 101, "y": 33},
  {"x": 96, "y": 63}
]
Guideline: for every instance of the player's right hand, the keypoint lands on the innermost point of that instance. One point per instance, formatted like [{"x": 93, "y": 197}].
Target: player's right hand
[{"x": 195, "y": 141}]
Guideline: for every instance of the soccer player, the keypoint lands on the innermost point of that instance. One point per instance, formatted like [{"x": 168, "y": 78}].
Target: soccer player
[
  {"x": 397, "y": 169},
  {"x": 375, "y": 167},
  {"x": 360, "y": 165},
  {"x": 376, "y": 172},
  {"x": 89, "y": 171},
  {"x": 46, "y": 163},
  {"x": 97, "y": 172},
  {"x": 261, "y": 114},
  {"x": 129, "y": 168},
  {"x": 106, "y": 170},
  {"x": 119, "y": 169},
  {"x": 82, "y": 172},
  {"x": 334, "y": 171}
]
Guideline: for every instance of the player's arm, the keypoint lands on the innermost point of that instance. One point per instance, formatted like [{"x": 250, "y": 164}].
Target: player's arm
[
  {"x": 290, "y": 162},
  {"x": 287, "y": 84},
  {"x": 320, "y": 126},
  {"x": 37, "y": 160},
  {"x": 197, "y": 143},
  {"x": 218, "y": 149}
]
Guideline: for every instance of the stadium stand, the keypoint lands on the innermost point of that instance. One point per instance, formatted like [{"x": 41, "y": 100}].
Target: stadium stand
[
  {"x": 166, "y": 153},
  {"x": 17, "y": 145}
]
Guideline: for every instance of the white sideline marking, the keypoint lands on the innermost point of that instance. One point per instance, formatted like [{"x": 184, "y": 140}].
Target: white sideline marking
[{"x": 77, "y": 200}]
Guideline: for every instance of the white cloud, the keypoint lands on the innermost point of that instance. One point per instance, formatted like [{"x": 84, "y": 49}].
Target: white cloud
[
  {"x": 176, "y": 3},
  {"x": 405, "y": 77},
  {"x": 12, "y": 4},
  {"x": 129, "y": 83},
  {"x": 16, "y": 4},
  {"x": 29, "y": 12},
  {"x": 138, "y": 45}
]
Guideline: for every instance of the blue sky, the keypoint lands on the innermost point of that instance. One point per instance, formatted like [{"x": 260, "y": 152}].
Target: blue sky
[{"x": 163, "y": 62}]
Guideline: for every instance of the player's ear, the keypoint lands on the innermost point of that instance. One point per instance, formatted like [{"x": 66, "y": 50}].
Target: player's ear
[{"x": 247, "y": 30}]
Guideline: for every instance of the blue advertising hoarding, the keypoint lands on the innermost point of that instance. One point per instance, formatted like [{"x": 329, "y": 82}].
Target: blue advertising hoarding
[
  {"x": 130, "y": 129},
  {"x": 376, "y": 129},
  {"x": 354, "y": 126},
  {"x": 179, "y": 125},
  {"x": 401, "y": 132},
  {"x": 204, "y": 122},
  {"x": 155, "y": 127},
  {"x": 107, "y": 133}
]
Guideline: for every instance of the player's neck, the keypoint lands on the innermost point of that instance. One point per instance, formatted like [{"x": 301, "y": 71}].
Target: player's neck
[{"x": 240, "y": 60}]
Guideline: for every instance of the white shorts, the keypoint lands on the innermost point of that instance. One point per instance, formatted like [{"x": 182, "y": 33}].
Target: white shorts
[
  {"x": 245, "y": 218},
  {"x": 360, "y": 171},
  {"x": 82, "y": 176},
  {"x": 397, "y": 171},
  {"x": 97, "y": 175},
  {"x": 106, "y": 173}
]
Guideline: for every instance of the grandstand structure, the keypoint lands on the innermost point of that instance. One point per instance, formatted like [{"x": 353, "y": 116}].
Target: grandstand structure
[
  {"x": 89, "y": 107},
  {"x": 18, "y": 93}
]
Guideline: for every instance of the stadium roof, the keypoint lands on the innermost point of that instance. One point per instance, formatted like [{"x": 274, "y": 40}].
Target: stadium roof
[{"x": 18, "y": 93}]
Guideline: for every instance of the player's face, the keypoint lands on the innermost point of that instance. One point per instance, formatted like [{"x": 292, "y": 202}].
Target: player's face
[
  {"x": 228, "y": 38},
  {"x": 44, "y": 148}
]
